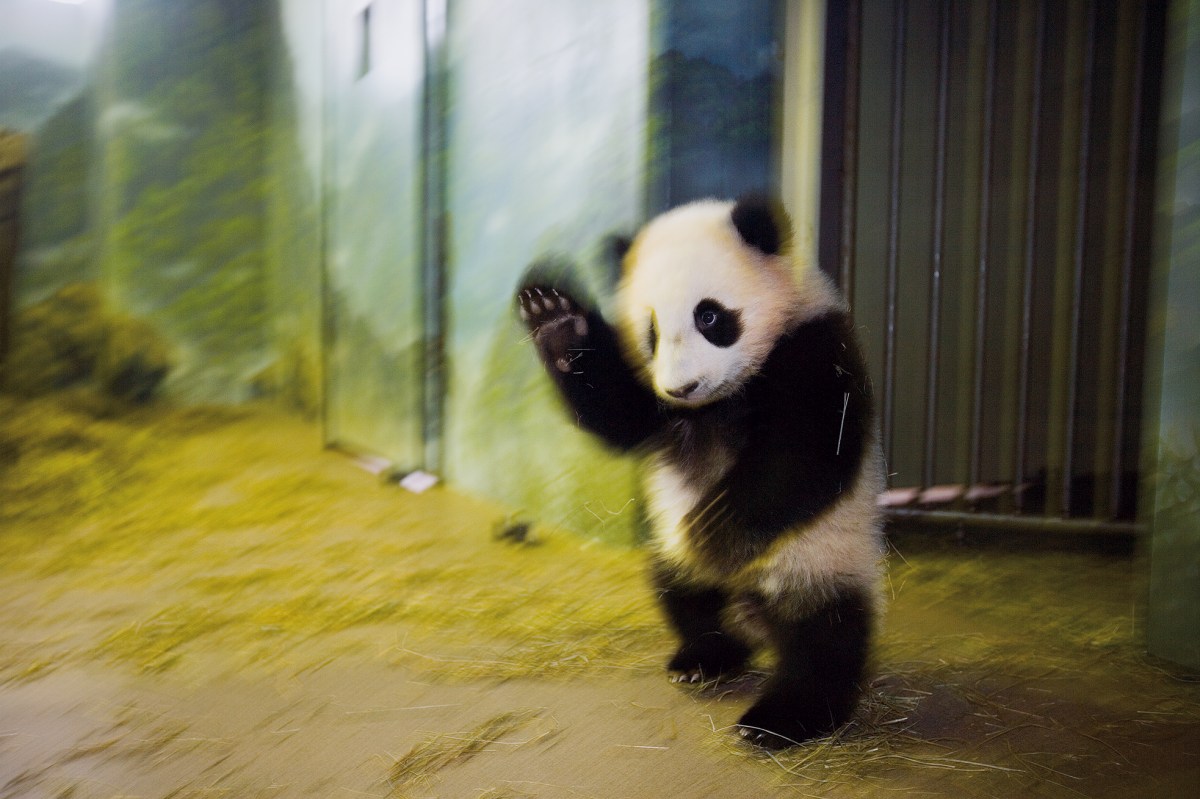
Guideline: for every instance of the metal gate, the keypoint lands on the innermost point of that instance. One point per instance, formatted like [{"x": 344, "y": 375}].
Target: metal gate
[{"x": 986, "y": 205}]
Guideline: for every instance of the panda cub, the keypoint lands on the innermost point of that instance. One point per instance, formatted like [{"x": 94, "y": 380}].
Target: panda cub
[{"x": 737, "y": 376}]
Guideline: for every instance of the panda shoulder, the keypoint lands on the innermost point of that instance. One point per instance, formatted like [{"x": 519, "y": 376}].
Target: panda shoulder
[{"x": 816, "y": 295}]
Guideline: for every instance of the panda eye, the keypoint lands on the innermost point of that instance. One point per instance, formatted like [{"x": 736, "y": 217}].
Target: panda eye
[
  {"x": 721, "y": 326},
  {"x": 652, "y": 334}
]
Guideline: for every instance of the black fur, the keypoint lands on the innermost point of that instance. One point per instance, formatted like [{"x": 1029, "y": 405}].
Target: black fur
[
  {"x": 707, "y": 651},
  {"x": 818, "y": 678},
  {"x": 615, "y": 246},
  {"x": 762, "y": 223}
]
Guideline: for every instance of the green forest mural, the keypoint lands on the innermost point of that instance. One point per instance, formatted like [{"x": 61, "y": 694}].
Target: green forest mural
[
  {"x": 241, "y": 183},
  {"x": 182, "y": 181}
]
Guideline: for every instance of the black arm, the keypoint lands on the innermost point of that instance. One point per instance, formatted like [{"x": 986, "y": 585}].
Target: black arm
[{"x": 583, "y": 356}]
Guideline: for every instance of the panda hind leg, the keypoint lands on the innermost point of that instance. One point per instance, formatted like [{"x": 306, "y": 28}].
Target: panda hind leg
[
  {"x": 706, "y": 650},
  {"x": 818, "y": 678}
]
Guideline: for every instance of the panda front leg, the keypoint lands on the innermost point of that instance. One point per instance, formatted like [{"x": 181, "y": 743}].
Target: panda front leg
[
  {"x": 707, "y": 651},
  {"x": 583, "y": 357},
  {"x": 817, "y": 683}
]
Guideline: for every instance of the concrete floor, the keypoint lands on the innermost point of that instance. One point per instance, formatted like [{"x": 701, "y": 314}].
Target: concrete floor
[{"x": 200, "y": 603}]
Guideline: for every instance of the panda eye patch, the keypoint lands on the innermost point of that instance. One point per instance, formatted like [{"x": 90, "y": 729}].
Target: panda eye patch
[
  {"x": 721, "y": 326},
  {"x": 652, "y": 334}
]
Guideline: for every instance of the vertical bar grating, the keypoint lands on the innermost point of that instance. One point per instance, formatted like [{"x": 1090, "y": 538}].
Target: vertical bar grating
[
  {"x": 1127, "y": 244},
  {"x": 850, "y": 149},
  {"x": 938, "y": 240},
  {"x": 1031, "y": 200},
  {"x": 985, "y": 211},
  {"x": 893, "y": 230},
  {"x": 1081, "y": 220},
  {"x": 1009, "y": 289}
]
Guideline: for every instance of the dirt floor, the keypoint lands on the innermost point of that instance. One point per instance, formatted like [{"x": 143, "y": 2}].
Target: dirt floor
[{"x": 203, "y": 603}]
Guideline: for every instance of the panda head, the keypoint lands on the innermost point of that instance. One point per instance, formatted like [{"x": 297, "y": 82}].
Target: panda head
[{"x": 706, "y": 292}]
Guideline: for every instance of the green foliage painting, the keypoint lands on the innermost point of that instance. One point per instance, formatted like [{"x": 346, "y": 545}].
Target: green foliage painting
[{"x": 182, "y": 120}]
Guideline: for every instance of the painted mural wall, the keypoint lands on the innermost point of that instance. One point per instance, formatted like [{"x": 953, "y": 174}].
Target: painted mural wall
[
  {"x": 146, "y": 191},
  {"x": 174, "y": 177},
  {"x": 1174, "y": 610},
  {"x": 545, "y": 155},
  {"x": 293, "y": 226},
  {"x": 244, "y": 179},
  {"x": 374, "y": 83},
  {"x": 182, "y": 119},
  {"x": 49, "y": 56},
  {"x": 715, "y": 98},
  {"x": 567, "y": 122}
]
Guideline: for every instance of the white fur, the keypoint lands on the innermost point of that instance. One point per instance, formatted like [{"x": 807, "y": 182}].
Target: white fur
[
  {"x": 670, "y": 496},
  {"x": 841, "y": 547},
  {"x": 695, "y": 252},
  {"x": 805, "y": 566}
]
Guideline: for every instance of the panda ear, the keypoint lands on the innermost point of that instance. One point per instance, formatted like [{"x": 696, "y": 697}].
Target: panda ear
[
  {"x": 614, "y": 248},
  {"x": 616, "y": 245},
  {"x": 762, "y": 223}
]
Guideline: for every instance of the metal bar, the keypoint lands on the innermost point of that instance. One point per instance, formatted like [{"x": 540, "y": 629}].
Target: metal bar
[
  {"x": 999, "y": 521},
  {"x": 1081, "y": 219},
  {"x": 1031, "y": 199},
  {"x": 985, "y": 211},
  {"x": 893, "y": 236},
  {"x": 325, "y": 211},
  {"x": 938, "y": 240},
  {"x": 1126, "y": 291},
  {"x": 433, "y": 225},
  {"x": 850, "y": 149}
]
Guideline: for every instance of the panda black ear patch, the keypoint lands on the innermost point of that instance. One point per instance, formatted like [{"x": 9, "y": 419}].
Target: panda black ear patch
[
  {"x": 613, "y": 250},
  {"x": 762, "y": 223},
  {"x": 617, "y": 245}
]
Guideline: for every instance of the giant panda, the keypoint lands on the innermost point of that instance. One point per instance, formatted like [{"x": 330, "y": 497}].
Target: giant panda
[{"x": 734, "y": 372}]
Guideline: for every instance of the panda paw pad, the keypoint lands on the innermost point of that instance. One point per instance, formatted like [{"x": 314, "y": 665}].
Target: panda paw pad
[{"x": 557, "y": 323}]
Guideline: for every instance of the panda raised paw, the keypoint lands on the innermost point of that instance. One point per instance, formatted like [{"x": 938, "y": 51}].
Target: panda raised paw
[{"x": 557, "y": 323}]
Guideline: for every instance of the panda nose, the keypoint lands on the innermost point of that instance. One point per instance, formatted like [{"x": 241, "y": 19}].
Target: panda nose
[{"x": 683, "y": 391}]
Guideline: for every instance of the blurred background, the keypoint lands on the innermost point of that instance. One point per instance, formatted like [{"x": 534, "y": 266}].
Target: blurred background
[{"x": 326, "y": 205}]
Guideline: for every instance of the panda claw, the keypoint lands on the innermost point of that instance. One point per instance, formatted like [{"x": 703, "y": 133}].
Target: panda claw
[{"x": 687, "y": 677}]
